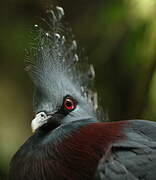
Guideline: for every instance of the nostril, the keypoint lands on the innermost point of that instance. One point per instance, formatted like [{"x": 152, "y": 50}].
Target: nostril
[{"x": 42, "y": 115}]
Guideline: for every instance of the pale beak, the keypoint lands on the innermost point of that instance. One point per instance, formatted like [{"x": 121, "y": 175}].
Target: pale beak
[{"x": 40, "y": 119}]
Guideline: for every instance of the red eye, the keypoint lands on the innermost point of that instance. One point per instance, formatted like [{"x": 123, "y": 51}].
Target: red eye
[{"x": 69, "y": 104}]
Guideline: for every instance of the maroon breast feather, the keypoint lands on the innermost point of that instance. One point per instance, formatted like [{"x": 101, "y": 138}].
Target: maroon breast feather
[{"x": 81, "y": 152}]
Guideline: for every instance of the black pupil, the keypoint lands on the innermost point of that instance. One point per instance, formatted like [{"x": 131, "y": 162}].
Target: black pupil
[{"x": 68, "y": 103}]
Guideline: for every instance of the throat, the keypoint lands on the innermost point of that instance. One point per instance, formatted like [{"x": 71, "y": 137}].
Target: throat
[{"x": 48, "y": 127}]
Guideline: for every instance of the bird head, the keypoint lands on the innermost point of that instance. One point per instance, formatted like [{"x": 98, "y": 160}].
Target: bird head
[{"x": 61, "y": 81}]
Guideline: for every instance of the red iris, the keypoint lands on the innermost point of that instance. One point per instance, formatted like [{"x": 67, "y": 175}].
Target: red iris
[{"x": 69, "y": 104}]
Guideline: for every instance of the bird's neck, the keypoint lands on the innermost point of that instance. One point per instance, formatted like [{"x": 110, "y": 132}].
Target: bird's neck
[{"x": 78, "y": 154}]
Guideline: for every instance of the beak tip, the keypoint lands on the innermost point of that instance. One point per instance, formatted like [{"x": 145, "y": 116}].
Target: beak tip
[
  {"x": 33, "y": 130},
  {"x": 33, "y": 126}
]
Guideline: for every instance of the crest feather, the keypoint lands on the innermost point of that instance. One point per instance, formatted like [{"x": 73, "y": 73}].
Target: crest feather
[{"x": 58, "y": 60}]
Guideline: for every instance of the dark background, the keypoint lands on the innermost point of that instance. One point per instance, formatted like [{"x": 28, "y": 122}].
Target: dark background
[{"x": 119, "y": 38}]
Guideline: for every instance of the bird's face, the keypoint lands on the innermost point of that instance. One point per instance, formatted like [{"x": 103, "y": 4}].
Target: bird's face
[{"x": 55, "y": 110}]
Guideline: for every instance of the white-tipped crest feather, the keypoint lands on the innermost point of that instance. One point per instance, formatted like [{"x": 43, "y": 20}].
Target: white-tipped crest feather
[{"x": 58, "y": 69}]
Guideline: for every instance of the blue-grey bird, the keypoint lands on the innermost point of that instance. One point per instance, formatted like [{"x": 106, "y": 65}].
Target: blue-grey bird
[{"x": 70, "y": 141}]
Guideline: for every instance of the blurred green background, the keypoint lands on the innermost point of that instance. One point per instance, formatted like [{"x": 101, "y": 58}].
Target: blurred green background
[{"x": 119, "y": 38}]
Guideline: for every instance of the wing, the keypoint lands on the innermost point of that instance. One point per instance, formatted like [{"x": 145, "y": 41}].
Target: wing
[{"x": 133, "y": 158}]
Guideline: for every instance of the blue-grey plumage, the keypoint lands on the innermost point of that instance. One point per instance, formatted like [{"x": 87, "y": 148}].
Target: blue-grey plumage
[{"x": 133, "y": 158}]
